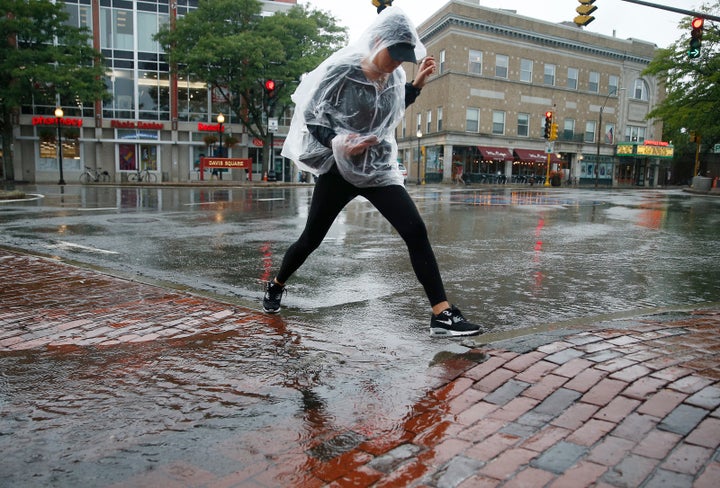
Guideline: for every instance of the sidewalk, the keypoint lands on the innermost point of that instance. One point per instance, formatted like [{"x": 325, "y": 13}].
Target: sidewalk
[{"x": 631, "y": 403}]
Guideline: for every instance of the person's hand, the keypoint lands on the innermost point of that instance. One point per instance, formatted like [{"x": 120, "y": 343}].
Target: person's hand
[
  {"x": 357, "y": 144},
  {"x": 427, "y": 68}
]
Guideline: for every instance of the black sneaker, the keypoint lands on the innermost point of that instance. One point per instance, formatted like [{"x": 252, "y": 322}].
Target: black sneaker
[
  {"x": 273, "y": 295},
  {"x": 451, "y": 323}
]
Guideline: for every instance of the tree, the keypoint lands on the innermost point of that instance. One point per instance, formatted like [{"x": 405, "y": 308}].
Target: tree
[
  {"x": 230, "y": 46},
  {"x": 43, "y": 60},
  {"x": 693, "y": 88}
]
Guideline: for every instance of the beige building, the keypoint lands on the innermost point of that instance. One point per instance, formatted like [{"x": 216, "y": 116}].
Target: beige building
[{"x": 498, "y": 75}]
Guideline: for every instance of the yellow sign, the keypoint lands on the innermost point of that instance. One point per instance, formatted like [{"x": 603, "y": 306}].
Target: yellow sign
[
  {"x": 655, "y": 151},
  {"x": 625, "y": 150}
]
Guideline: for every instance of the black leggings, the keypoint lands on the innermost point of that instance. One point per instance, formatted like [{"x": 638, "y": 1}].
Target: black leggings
[{"x": 331, "y": 195}]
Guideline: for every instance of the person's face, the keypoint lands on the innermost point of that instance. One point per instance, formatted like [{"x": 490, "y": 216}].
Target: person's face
[{"x": 385, "y": 62}]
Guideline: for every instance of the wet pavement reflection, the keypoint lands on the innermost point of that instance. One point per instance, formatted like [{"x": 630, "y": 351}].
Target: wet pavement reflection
[{"x": 350, "y": 351}]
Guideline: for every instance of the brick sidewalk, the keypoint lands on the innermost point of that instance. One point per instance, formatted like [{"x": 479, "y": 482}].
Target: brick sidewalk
[{"x": 634, "y": 404}]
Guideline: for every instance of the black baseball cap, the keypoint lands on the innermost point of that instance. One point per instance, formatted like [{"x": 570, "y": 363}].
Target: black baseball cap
[{"x": 403, "y": 51}]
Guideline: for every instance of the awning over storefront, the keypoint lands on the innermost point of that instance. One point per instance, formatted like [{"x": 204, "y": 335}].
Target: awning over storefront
[
  {"x": 535, "y": 156},
  {"x": 490, "y": 153}
]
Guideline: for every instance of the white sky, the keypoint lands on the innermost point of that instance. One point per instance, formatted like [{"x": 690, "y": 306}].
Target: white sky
[{"x": 626, "y": 19}]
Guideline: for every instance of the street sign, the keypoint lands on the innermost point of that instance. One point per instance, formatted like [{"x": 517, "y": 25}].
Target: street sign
[
  {"x": 716, "y": 148},
  {"x": 550, "y": 148},
  {"x": 273, "y": 125}
]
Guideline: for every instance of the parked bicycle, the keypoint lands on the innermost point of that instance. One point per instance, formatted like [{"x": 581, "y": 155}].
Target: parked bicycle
[
  {"x": 92, "y": 175},
  {"x": 143, "y": 175}
]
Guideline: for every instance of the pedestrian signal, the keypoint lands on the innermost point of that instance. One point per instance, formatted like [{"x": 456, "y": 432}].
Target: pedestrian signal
[
  {"x": 585, "y": 9},
  {"x": 696, "y": 37}
]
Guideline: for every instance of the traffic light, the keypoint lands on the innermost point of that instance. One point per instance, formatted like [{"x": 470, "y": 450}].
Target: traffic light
[
  {"x": 270, "y": 88},
  {"x": 585, "y": 9},
  {"x": 553, "y": 131},
  {"x": 695, "y": 37},
  {"x": 548, "y": 124},
  {"x": 381, "y": 4}
]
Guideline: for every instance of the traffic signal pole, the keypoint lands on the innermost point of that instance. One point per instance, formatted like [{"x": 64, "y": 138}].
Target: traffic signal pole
[{"x": 675, "y": 9}]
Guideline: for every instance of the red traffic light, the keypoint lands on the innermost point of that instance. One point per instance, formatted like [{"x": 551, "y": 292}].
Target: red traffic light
[
  {"x": 697, "y": 23},
  {"x": 269, "y": 85},
  {"x": 548, "y": 115}
]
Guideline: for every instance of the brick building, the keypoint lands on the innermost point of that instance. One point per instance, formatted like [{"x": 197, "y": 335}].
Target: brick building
[{"x": 499, "y": 73}]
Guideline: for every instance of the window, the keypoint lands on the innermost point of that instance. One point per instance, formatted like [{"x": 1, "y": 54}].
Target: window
[
  {"x": 472, "y": 120},
  {"x": 609, "y": 133},
  {"x": 501, "y": 66},
  {"x": 640, "y": 91},
  {"x": 403, "y": 129},
  {"x": 418, "y": 125},
  {"x": 594, "y": 82},
  {"x": 549, "y": 75},
  {"x": 116, "y": 29},
  {"x": 428, "y": 122},
  {"x": 439, "y": 118},
  {"x": 526, "y": 70},
  {"x": 475, "y": 62},
  {"x": 441, "y": 68},
  {"x": 498, "y": 126},
  {"x": 568, "y": 130},
  {"x": 572, "y": 79},
  {"x": 635, "y": 134},
  {"x": 613, "y": 84},
  {"x": 148, "y": 25},
  {"x": 590, "y": 131},
  {"x": 79, "y": 16},
  {"x": 523, "y": 125}
]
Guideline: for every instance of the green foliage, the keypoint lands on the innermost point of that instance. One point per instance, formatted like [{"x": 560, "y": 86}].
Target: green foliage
[
  {"x": 42, "y": 59},
  {"x": 234, "y": 49},
  {"x": 693, "y": 85}
]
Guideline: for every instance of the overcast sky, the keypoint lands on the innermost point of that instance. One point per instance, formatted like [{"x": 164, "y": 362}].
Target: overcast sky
[{"x": 623, "y": 18}]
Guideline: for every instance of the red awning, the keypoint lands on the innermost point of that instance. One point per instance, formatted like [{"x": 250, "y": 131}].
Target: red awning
[
  {"x": 535, "y": 156},
  {"x": 495, "y": 153}
]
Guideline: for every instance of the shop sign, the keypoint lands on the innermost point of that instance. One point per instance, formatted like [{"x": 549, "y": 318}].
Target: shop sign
[
  {"x": 257, "y": 142},
  {"x": 211, "y": 127},
  {"x": 133, "y": 124},
  {"x": 649, "y": 149},
  {"x": 208, "y": 162},
  {"x": 655, "y": 151},
  {"x": 64, "y": 121},
  {"x": 625, "y": 149}
]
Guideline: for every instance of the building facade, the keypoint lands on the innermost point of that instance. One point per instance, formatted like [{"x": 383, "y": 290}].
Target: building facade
[
  {"x": 156, "y": 120},
  {"x": 483, "y": 114}
]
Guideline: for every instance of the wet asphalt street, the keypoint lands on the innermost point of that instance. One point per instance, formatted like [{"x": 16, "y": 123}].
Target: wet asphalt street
[
  {"x": 352, "y": 338},
  {"x": 511, "y": 257}
]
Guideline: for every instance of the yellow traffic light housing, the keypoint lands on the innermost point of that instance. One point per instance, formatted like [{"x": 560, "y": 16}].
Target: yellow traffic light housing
[
  {"x": 553, "y": 131},
  {"x": 381, "y": 4},
  {"x": 585, "y": 9}
]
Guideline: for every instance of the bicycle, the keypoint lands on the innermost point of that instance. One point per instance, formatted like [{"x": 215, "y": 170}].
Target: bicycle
[
  {"x": 92, "y": 175},
  {"x": 143, "y": 175}
]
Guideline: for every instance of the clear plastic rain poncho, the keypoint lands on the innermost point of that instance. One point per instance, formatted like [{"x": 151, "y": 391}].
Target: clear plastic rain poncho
[{"x": 338, "y": 96}]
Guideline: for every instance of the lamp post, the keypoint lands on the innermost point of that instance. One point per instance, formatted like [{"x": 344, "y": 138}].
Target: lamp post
[
  {"x": 59, "y": 115},
  {"x": 599, "y": 135},
  {"x": 221, "y": 121},
  {"x": 419, "y": 136}
]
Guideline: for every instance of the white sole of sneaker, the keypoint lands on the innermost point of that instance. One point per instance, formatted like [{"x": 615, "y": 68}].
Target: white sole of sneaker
[{"x": 440, "y": 332}]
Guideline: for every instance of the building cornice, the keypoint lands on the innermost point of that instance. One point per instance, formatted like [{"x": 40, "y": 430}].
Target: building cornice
[{"x": 556, "y": 42}]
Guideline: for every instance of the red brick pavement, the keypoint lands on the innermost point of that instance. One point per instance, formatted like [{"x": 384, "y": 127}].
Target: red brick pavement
[{"x": 635, "y": 405}]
